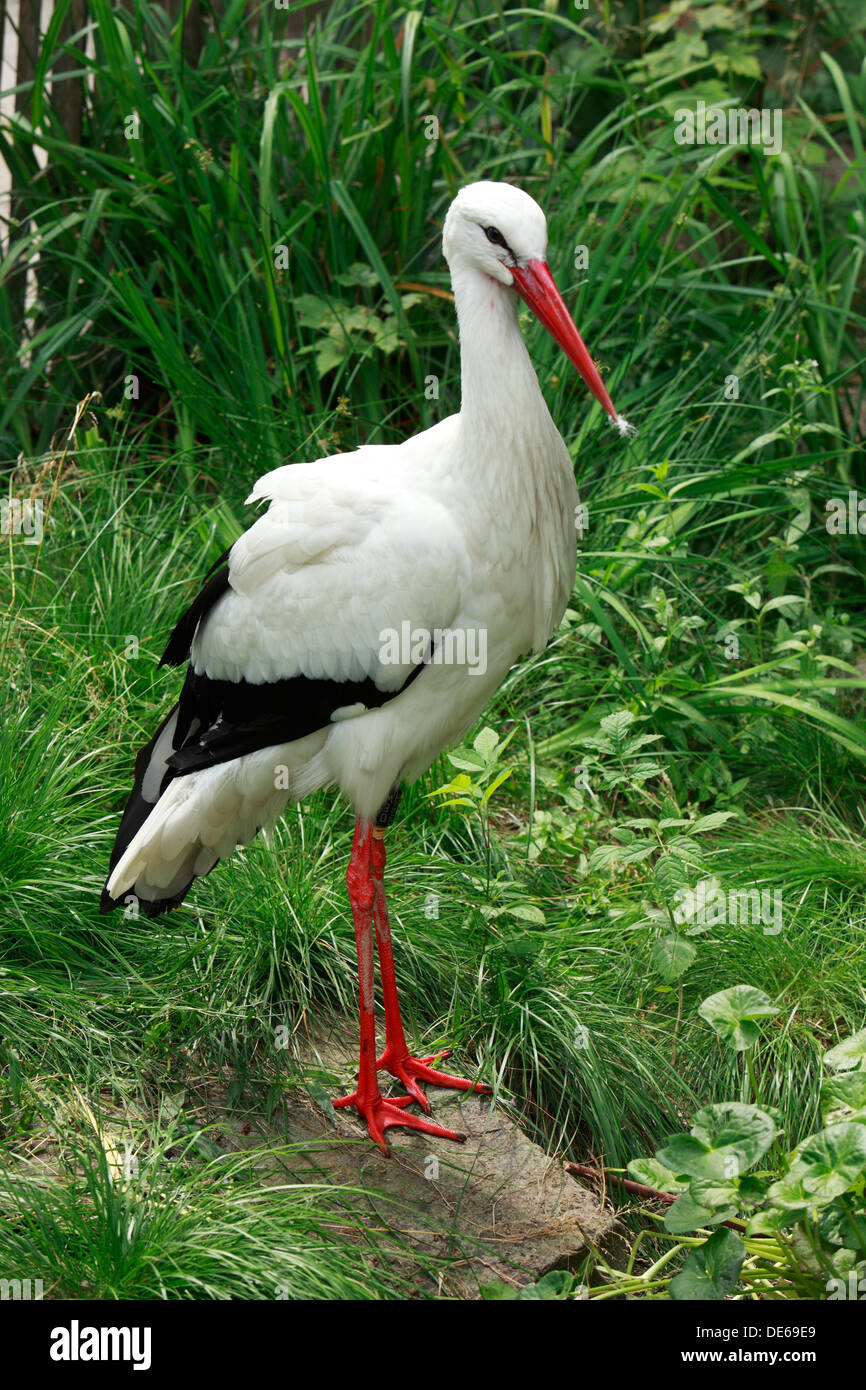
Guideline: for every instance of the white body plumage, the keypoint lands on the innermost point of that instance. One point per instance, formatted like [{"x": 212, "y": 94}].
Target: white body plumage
[{"x": 469, "y": 525}]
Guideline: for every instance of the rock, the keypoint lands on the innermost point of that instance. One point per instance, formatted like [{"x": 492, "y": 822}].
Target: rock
[
  {"x": 494, "y": 1208},
  {"x": 497, "y": 1203}
]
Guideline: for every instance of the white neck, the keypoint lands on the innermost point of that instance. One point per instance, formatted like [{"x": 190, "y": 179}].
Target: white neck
[
  {"x": 511, "y": 463},
  {"x": 499, "y": 389}
]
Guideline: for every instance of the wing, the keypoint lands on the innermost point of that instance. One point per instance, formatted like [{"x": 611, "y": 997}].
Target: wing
[
  {"x": 347, "y": 554},
  {"x": 320, "y": 611}
]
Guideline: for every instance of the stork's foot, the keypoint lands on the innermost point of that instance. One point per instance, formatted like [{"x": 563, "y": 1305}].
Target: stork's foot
[
  {"x": 381, "y": 1113},
  {"x": 411, "y": 1070}
]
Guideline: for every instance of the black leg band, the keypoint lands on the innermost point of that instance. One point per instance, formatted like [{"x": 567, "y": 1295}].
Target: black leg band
[{"x": 388, "y": 809}]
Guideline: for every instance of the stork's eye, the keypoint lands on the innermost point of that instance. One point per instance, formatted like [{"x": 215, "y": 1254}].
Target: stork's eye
[{"x": 494, "y": 235}]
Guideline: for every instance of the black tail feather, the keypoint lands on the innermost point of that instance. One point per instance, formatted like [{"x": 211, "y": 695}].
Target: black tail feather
[{"x": 135, "y": 813}]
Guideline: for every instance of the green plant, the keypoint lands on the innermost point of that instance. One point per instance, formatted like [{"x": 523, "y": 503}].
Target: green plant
[
  {"x": 557, "y": 1286},
  {"x": 799, "y": 1216}
]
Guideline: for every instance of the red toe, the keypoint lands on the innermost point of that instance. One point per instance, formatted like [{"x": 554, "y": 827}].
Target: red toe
[
  {"x": 411, "y": 1070},
  {"x": 380, "y": 1114}
]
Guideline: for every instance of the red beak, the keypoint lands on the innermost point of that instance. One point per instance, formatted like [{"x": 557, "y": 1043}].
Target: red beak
[{"x": 535, "y": 284}]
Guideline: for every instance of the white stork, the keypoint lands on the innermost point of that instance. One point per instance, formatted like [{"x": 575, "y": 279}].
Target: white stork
[{"x": 297, "y": 676}]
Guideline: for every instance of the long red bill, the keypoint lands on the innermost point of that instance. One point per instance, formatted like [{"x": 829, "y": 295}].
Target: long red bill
[{"x": 535, "y": 284}]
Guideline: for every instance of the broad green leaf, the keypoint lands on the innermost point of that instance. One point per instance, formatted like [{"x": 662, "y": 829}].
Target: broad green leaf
[
  {"x": 849, "y": 1053},
  {"x": 768, "y": 1222},
  {"x": 844, "y": 1097},
  {"x": 528, "y": 912},
  {"x": 466, "y": 760},
  {"x": 497, "y": 1291},
  {"x": 714, "y": 1192},
  {"x": 833, "y": 1159},
  {"x": 745, "y": 1130},
  {"x": 685, "y": 1215},
  {"x": 752, "y": 1189},
  {"x": 783, "y": 601},
  {"x": 725, "y": 1141},
  {"x": 462, "y": 782},
  {"x": 654, "y": 1174},
  {"x": 790, "y": 1193},
  {"x": 486, "y": 744},
  {"x": 732, "y": 1013},
  {"x": 798, "y": 526},
  {"x": 741, "y": 1132},
  {"x": 710, "y": 1272},
  {"x": 685, "y": 1154},
  {"x": 604, "y": 857},
  {"x": 671, "y": 956},
  {"x": 840, "y": 1226},
  {"x": 616, "y": 726},
  {"x": 673, "y": 872},
  {"x": 636, "y": 851}
]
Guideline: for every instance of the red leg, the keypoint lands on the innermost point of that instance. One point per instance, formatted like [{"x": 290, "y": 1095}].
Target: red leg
[
  {"x": 396, "y": 1058},
  {"x": 380, "y": 1114}
]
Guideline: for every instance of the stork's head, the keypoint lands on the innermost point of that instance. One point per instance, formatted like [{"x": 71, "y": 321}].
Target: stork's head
[
  {"x": 494, "y": 226},
  {"x": 500, "y": 231}
]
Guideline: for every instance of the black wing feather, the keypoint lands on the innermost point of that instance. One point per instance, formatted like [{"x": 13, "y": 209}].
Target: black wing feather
[
  {"x": 232, "y": 718},
  {"x": 216, "y": 584}
]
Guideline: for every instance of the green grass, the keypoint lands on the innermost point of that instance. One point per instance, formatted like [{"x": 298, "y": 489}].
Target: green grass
[
  {"x": 711, "y": 602},
  {"x": 183, "y": 1221}
]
